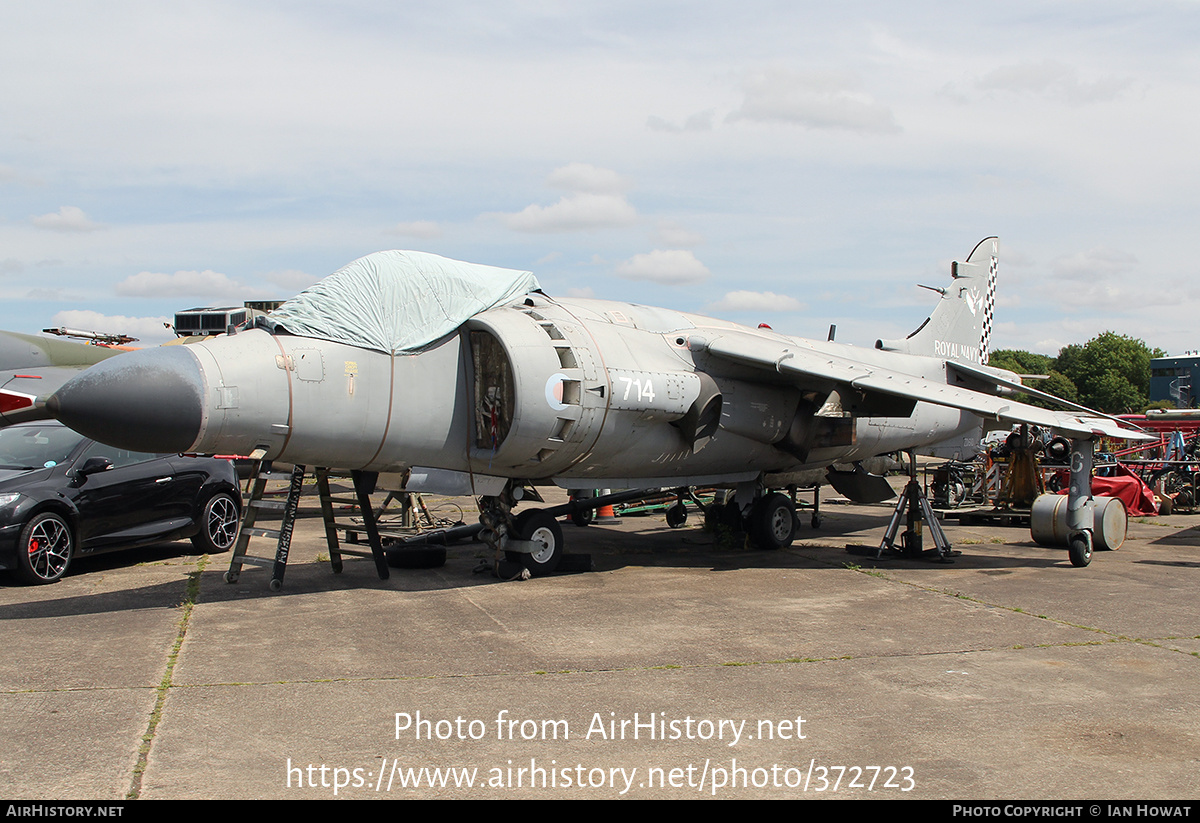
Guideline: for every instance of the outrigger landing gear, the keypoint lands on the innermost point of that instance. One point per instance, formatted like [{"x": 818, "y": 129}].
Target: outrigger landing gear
[
  {"x": 1080, "y": 516},
  {"x": 677, "y": 514}
]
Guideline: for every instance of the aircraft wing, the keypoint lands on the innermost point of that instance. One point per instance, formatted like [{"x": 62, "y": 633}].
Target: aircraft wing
[
  {"x": 23, "y": 391},
  {"x": 807, "y": 364},
  {"x": 33, "y": 367}
]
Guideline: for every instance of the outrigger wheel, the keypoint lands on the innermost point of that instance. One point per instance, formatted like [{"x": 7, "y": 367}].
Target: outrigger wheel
[
  {"x": 1080, "y": 549},
  {"x": 677, "y": 516}
]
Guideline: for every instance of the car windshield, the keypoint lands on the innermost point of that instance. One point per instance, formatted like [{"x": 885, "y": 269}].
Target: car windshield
[{"x": 33, "y": 447}]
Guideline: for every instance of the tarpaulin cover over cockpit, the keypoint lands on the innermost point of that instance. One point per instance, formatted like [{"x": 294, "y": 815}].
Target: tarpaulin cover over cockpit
[{"x": 397, "y": 301}]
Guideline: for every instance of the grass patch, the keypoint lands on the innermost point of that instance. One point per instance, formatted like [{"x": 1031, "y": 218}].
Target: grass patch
[{"x": 190, "y": 596}]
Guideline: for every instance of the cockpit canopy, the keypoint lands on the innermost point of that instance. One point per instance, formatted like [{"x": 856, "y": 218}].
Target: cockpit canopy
[{"x": 397, "y": 301}]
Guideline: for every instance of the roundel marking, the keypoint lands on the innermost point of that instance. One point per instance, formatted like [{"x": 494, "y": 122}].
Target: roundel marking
[{"x": 554, "y": 391}]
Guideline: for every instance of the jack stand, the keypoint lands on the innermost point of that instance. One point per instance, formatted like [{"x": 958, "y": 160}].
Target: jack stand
[{"x": 915, "y": 506}]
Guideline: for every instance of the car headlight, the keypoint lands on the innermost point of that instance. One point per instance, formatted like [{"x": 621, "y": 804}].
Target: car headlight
[{"x": 9, "y": 499}]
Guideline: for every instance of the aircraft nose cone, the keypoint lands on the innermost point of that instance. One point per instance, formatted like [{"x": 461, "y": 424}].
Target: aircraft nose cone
[{"x": 150, "y": 400}]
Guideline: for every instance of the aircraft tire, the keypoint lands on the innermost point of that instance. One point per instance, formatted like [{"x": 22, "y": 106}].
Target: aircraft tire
[
  {"x": 541, "y": 528},
  {"x": 677, "y": 516},
  {"x": 1080, "y": 550},
  {"x": 773, "y": 522}
]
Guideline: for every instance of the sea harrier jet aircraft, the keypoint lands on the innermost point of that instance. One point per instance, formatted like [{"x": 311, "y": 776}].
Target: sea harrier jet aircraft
[{"x": 473, "y": 381}]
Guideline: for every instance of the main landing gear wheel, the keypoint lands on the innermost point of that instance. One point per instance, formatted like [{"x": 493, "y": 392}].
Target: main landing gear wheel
[
  {"x": 45, "y": 549},
  {"x": 773, "y": 522},
  {"x": 538, "y": 527},
  {"x": 1080, "y": 549}
]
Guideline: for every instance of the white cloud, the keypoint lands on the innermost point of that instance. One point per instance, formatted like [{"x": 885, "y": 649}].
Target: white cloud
[
  {"x": 67, "y": 218},
  {"x": 55, "y": 295},
  {"x": 1015, "y": 258},
  {"x": 1108, "y": 280},
  {"x": 291, "y": 280},
  {"x": 584, "y": 177},
  {"x": 597, "y": 202},
  {"x": 242, "y": 144},
  {"x": 145, "y": 329},
  {"x": 1097, "y": 263},
  {"x": 1052, "y": 79},
  {"x": 671, "y": 267},
  {"x": 670, "y": 233},
  {"x": 700, "y": 121},
  {"x": 759, "y": 301},
  {"x": 207, "y": 283},
  {"x": 576, "y": 212},
  {"x": 816, "y": 100},
  {"x": 424, "y": 229},
  {"x": 10, "y": 175}
]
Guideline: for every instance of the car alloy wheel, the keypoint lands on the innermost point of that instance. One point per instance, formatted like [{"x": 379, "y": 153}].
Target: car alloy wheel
[
  {"x": 219, "y": 524},
  {"x": 45, "y": 549}
]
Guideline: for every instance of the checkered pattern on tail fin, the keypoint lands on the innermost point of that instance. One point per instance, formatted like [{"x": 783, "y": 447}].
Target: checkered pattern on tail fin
[{"x": 989, "y": 306}]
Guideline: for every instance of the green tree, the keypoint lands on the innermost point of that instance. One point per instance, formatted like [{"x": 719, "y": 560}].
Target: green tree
[
  {"x": 1059, "y": 385},
  {"x": 1021, "y": 362},
  {"x": 1111, "y": 372},
  {"x": 1024, "y": 362}
]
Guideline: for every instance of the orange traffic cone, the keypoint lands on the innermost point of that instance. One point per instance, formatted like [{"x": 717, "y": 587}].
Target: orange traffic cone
[{"x": 606, "y": 514}]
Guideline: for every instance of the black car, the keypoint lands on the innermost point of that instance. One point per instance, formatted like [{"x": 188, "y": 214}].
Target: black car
[{"x": 63, "y": 496}]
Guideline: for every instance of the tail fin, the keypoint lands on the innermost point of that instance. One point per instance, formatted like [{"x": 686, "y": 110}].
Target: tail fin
[{"x": 960, "y": 325}]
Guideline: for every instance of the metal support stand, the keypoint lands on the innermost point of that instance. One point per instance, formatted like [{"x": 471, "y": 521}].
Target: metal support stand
[
  {"x": 914, "y": 506},
  {"x": 364, "y": 484},
  {"x": 370, "y": 523},
  {"x": 327, "y": 514}
]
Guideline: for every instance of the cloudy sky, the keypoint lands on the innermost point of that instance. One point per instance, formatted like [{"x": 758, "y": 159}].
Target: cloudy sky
[{"x": 795, "y": 163}]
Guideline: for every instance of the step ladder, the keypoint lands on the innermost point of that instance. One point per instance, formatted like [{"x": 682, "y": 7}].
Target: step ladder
[
  {"x": 255, "y": 503},
  {"x": 364, "y": 485}
]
